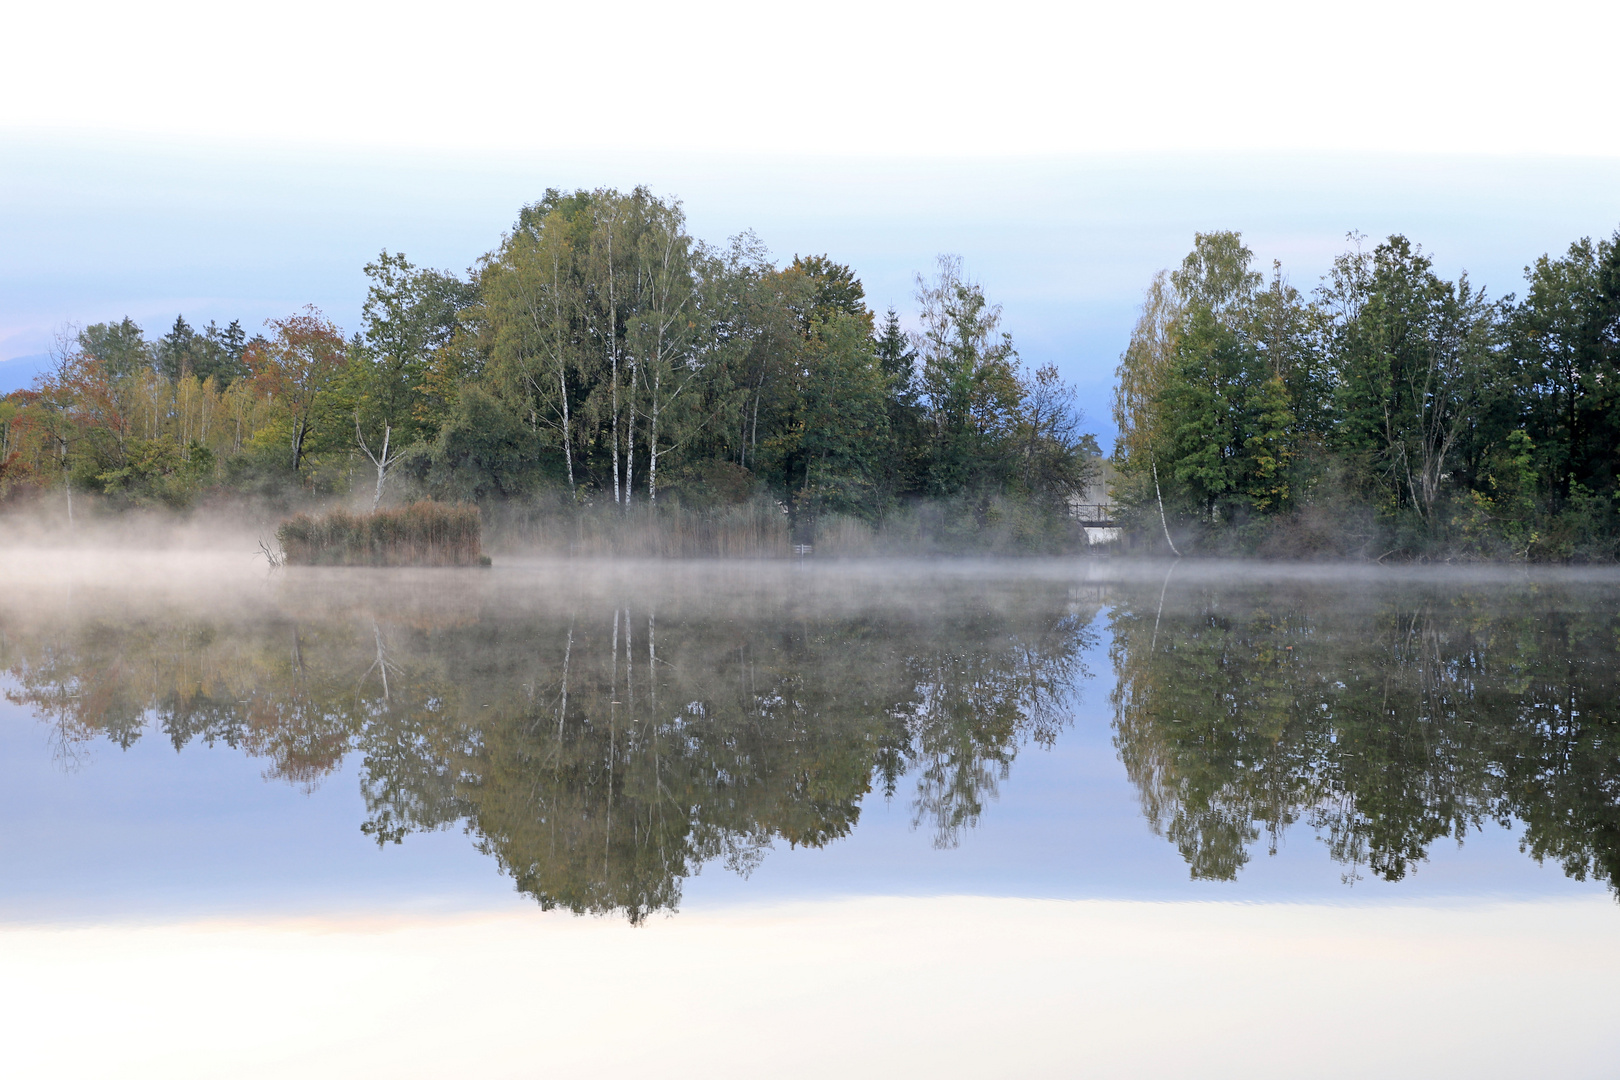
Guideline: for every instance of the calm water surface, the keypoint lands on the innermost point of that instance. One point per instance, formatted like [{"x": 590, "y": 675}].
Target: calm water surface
[{"x": 840, "y": 819}]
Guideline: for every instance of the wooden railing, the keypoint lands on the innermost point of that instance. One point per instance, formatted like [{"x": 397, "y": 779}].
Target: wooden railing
[{"x": 1094, "y": 515}]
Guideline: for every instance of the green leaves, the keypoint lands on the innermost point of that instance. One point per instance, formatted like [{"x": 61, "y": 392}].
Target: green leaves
[
  {"x": 1396, "y": 397},
  {"x": 1225, "y": 428},
  {"x": 158, "y": 473},
  {"x": 846, "y": 437},
  {"x": 969, "y": 383}
]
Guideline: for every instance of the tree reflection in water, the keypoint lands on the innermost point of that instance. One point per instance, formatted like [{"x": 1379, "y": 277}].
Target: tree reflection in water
[
  {"x": 605, "y": 741},
  {"x": 602, "y": 749},
  {"x": 1383, "y": 716}
]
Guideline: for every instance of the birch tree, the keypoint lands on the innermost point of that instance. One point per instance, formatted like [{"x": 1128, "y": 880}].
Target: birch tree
[
  {"x": 409, "y": 314},
  {"x": 533, "y": 303},
  {"x": 665, "y": 330}
]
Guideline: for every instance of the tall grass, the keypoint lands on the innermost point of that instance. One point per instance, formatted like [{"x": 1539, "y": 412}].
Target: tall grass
[
  {"x": 761, "y": 529},
  {"x": 751, "y": 530},
  {"x": 422, "y": 534}
]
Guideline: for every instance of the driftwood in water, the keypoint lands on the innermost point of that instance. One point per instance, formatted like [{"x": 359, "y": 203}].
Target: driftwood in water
[{"x": 421, "y": 534}]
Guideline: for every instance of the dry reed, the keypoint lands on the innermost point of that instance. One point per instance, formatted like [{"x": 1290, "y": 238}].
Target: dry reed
[
  {"x": 751, "y": 530},
  {"x": 422, "y": 534}
]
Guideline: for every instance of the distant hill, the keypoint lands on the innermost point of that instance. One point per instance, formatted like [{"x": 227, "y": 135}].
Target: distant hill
[{"x": 18, "y": 373}]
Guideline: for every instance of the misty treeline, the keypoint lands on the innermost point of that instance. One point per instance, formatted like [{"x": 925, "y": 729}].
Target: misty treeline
[
  {"x": 601, "y": 751},
  {"x": 1390, "y": 413},
  {"x": 598, "y": 357},
  {"x": 1383, "y": 719}
]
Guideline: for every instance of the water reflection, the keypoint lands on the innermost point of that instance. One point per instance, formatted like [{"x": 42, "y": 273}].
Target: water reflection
[
  {"x": 1383, "y": 716},
  {"x": 602, "y": 745},
  {"x": 603, "y": 738}
]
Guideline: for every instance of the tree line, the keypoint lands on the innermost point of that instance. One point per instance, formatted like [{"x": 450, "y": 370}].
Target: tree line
[
  {"x": 599, "y": 355},
  {"x": 1392, "y": 412}
]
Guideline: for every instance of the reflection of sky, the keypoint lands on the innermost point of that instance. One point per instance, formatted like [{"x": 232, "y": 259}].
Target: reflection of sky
[
  {"x": 149, "y": 832},
  {"x": 879, "y": 987}
]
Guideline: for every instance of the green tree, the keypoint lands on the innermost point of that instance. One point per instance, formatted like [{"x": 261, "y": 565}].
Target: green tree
[
  {"x": 1409, "y": 352},
  {"x": 121, "y": 348},
  {"x": 409, "y": 314},
  {"x": 847, "y": 439},
  {"x": 177, "y": 351},
  {"x": 482, "y": 451},
  {"x": 903, "y": 473},
  {"x": 969, "y": 382},
  {"x": 1222, "y": 414},
  {"x": 532, "y": 315},
  {"x": 1055, "y": 459},
  {"x": 834, "y": 290},
  {"x": 1567, "y": 336},
  {"x": 605, "y": 325}
]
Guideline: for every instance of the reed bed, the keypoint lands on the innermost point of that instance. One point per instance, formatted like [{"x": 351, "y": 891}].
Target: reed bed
[
  {"x": 757, "y": 529},
  {"x": 761, "y": 529},
  {"x": 423, "y": 533}
]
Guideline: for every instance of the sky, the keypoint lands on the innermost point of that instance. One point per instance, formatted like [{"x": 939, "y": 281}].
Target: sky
[{"x": 168, "y": 158}]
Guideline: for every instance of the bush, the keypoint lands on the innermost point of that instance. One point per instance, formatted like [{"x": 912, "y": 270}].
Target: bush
[{"x": 421, "y": 534}]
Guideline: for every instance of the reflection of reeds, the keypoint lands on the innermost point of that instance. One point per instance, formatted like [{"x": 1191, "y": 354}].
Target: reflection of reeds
[{"x": 421, "y": 534}]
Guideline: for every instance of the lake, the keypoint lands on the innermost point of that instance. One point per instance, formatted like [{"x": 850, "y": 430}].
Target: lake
[{"x": 808, "y": 818}]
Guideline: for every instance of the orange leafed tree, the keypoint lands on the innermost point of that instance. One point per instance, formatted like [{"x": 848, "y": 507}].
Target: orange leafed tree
[{"x": 297, "y": 366}]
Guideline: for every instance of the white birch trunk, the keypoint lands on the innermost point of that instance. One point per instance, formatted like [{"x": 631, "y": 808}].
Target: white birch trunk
[
  {"x": 568, "y": 435},
  {"x": 630, "y": 437},
  {"x": 652, "y": 443},
  {"x": 613, "y": 351}
]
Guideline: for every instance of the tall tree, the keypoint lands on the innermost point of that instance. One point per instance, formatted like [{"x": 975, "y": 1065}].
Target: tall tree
[
  {"x": 834, "y": 288},
  {"x": 121, "y": 347},
  {"x": 608, "y": 325},
  {"x": 903, "y": 474},
  {"x": 846, "y": 436},
  {"x": 1056, "y": 460},
  {"x": 1226, "y": 426},
  {"x": 532, "y": 315},
  {"x": 666, "y": 328},
  {"x": 1409, "y": 347},
  {"x": 969, "y": 380},
  {"x": 176, "y": 351},
  {"x": 299, "y": 365},
  {"x": 1567, "y": 336},
  {"x": 409, "y": 314}
]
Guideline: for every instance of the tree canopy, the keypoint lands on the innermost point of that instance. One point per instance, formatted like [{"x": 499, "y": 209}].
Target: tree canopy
[{"x": 1393, "y": 412}]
